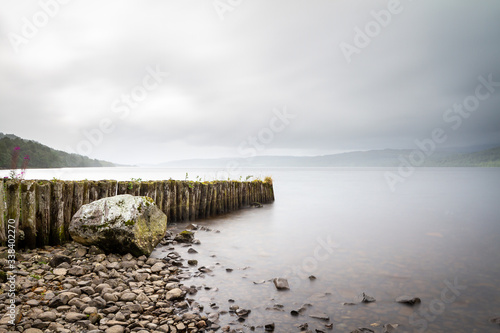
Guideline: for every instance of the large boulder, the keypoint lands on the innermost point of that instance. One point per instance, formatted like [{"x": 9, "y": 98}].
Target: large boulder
[{"x": 120, "y": 224}]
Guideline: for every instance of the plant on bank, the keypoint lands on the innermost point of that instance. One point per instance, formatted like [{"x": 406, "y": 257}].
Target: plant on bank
[{"x": 13, "y": 165}]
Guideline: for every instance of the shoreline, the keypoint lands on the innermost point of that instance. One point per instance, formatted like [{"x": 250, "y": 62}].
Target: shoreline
[{"x": 74, "y": 288}]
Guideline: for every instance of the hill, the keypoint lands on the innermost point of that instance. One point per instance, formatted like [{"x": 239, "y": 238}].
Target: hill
[
  {"x": 372, "y": 158},
  {"x": 42, "y": 156}
]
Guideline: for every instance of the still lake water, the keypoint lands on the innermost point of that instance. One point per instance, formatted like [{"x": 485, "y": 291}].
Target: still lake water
[{"x": 437, "y": 237}]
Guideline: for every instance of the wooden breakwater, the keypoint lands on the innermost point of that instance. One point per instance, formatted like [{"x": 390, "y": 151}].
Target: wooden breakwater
[{"x": 41, "y": 210}]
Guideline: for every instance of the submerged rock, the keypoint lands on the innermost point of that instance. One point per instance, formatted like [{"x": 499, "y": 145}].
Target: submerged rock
[
  {"x": 408, "y": 300},
  {"x": 281, "y": 283},
  {"x": 120, "y": 224},
  {"x": 367, "y": 299},
  {"x": 363, "y": 330}
]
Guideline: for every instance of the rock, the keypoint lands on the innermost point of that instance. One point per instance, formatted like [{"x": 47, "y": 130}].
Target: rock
[
  {"x": 47, "y": 316},
  {"x": 33, "y": 330},
  {"x": 60, "y": 271},
  {"x": 58, "y": 259},
  {"x": 192, "y": 251},
  {"x": 256, "y": 205},
  {"x": 312, "y": 277},
  {"x": 363, "y": 330},
  {"x": 495, "y": 320},
  {"x": 94, "y": 250},
  {"x": 184, "y": 237},
  {"x": 94, "y": 318},
  {"x": 128, "y": 297},
  {"x": 123, "y": 224},
  {"x": 192, "y": 262},
  {"x": 74, "y": 316},
  {"x": 115, "y": 329},
  {"x": 157, "y": 267},
  {"x": 389, "y": 328},
  {"x": 77, "y": 271},
  {"x": 174, "y": 294},
  {"x": 408, "y": 300},
  {"x": 367, "y": 299},
  {"x": 242, "y": 312},
  {"x": 281, "y": 283},
  {"x": 269, "y": 327},
  {"x": 320, "y": 316}
]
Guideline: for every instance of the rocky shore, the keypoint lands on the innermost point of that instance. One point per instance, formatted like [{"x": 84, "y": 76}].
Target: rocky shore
[{"x": 74, "y": 288}]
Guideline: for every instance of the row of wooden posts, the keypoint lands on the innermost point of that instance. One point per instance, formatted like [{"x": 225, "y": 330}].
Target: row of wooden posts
[{"x": 41, "y": 210}]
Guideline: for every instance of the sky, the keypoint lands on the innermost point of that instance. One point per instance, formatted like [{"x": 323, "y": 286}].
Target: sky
[{"x": 145, "y": 82}]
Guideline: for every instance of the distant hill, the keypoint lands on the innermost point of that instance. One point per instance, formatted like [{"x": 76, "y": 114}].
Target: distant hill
[
  {"x": 372, "y": 158},
  {"x": 42, "y": 156}
]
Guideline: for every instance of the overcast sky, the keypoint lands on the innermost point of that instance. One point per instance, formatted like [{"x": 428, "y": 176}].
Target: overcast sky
[{"x": 70, "y": 70}]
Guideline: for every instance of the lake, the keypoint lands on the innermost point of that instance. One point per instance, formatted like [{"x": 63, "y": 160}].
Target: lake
[{"x": 436, "y": 237}]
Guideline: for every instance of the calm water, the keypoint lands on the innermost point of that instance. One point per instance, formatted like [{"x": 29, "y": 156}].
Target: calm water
[{"x": 437, "y": 237}]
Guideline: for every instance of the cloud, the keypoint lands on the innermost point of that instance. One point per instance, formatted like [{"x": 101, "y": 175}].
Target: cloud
[{"x": 226, "y": 77}]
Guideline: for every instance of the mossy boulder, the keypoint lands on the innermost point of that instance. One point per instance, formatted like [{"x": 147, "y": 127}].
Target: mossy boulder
[
  {"x": 185, "y": 236},
  {"x": 120, "y": 224}
]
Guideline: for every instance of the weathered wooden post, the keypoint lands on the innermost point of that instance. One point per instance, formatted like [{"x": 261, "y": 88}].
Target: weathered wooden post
[
  {"x": 185, "y": 201},
  {"x": 93, "y": 190},
  {"x": 148, "y": 189},
  {"x": 13, "y": 208},
  {"x": 103, "y": 189},
  {"x": 57, "y": 235},
  {"x": 3, "y": 235},
  {"x": 202, "y": 213},
  {"x": 78, "y": 195},
  {"x": 68, "y": 193},
  {"x": 159, "y": 189},
  {"x": 42, "y": 220},
  {"x": 180, "y": 201},
  {"x": 171, "y": 200},
  {"x": 27, "y": 221},
  {"x": 192, "y": 200}
]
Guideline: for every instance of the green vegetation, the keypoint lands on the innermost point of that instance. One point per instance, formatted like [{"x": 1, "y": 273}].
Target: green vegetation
[{"x": 42, "y": 156}]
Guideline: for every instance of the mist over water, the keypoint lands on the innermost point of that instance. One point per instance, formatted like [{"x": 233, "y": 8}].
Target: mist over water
[{"x": 345, "y": 227}]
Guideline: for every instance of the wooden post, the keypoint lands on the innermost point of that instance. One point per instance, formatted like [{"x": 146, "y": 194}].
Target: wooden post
[
  {"x": 13, "y": 207},
  {"x": 57, "y": 235},
  {"x": 68, "y": 193},
  {"x": 180, "y": 201},
  {"x": 27, "y": 221},
  {"x": 171, "y": 200},
  {"x": 42, "y": 220},
  {"x": 78, "y": 194},
  {"x": 93, "y": 190},
  {"x": 185, "y": 201},
  {"x": 192, "y": 200},
  {"x": 148, "y": 189},
  {"x": 202, "y": 213},
  {"x": 3, "y": 235},
  {"x": 159, "y": 189},
  {"x": 103, "y": 189}
]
